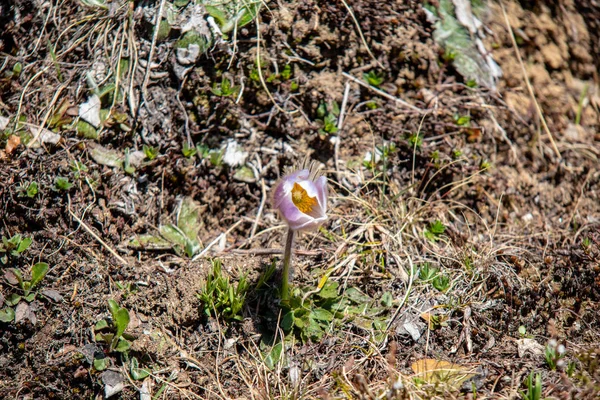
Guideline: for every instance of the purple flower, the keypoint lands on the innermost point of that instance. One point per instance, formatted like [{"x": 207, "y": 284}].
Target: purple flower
[{"x": 301, "y": 199}]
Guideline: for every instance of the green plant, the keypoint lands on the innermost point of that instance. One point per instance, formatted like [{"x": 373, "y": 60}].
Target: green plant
[
  {"x": 13, "y": 247},
  {"x": 435, "y": 230},
  {"x": 225, "y": 88},
  {"x": 220, "y": 298},
  {"x": 128, "y": 288},
  {"x": 462, "y": 120},
  {"x": 329, "y": 125},
  {"x": 127, "y": 166},
  {"x": 328, "y": 116},
  {"x": 29, "y": 189},
  {"x": 427, "y": 272},
  {"x": 534, "y": 387},
  {"x": 311, "y": 311},
  {"x": 14, "y": 276},
  {"x": 415, "y": 141},
  {"x": 441, "y": 282},
  {"x": 182, "y": 236},
  {"x": 150, "y": 152},
  {"x": 77, "y": 167},
  {"x": 374, "y": 78},
  {"x": 216, "y": 157},
  {"x": 62, "y": 184},
  {"x": 112, "y": 332},
  {"x": 188, "y": 150},
  {"x": 286, "y": 73}
]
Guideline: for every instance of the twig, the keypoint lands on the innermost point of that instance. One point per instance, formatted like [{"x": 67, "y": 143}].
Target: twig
[
  {"x": 272, "y": 252},
  {"x": 91, "y": 232},
  {"x": 263, "y": 200},
  {"x": 152, "y": 47},
  {"x": 529, "y": 87},
  {"x": 211, "y": 244},
  {"x": 362, "y": 37},
  {"x": 340, "y": 125},
  {"x": 384, "y": 94},
  {"x": 412, "y": 277}
]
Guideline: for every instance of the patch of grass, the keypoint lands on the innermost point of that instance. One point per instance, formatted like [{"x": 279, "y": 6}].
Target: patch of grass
[{"x": 220, "y": 298}]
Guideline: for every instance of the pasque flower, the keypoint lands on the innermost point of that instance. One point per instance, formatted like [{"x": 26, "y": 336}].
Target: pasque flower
[{"x": 301, "y": 199}]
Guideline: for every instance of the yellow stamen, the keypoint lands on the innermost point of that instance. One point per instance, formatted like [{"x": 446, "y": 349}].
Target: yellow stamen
[{"x": 302, "y": 200}]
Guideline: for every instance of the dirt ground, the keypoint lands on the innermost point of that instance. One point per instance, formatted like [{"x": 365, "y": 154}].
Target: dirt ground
[{"x": 464, "y": 219}]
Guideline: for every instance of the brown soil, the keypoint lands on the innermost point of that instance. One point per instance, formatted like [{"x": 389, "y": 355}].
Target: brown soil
[{"x": 522, "y": 239}]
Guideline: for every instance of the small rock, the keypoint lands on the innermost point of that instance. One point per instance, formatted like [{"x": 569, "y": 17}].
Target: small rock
[
  {"x": 113, "y": 383},
  {"x": 53, "y": 295}
]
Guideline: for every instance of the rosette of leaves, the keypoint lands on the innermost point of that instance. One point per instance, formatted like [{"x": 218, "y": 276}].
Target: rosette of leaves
[
  {"x": 311, "y": 313},
  {"x": 112, "y": 332},
  {"x": 13, "y": 247},
  {"x": 15, "y": 277},
  {"x": 182, "y": 236}
]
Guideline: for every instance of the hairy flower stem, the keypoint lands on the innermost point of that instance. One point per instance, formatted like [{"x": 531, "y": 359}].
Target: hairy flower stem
[{"x": 287, "y": 260}]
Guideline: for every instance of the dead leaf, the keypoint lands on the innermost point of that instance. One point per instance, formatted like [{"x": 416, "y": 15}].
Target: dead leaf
[
  {"x": 21, "y": 312},
  {"x": 11, "y": 277},
  {"x": 434, "y": 321},
  {"x": 42, "y": 136},
  {"x": 528, "y": 345},
  {"x": 12, "y": 143},
  {"x": 439, "y": 371}
]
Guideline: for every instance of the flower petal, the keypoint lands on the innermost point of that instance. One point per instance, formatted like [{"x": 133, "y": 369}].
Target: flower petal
[
  {"x": 294, "y": 217},
  {"x": 285, "y": 185},
  {"x": 321, "y": 186}
]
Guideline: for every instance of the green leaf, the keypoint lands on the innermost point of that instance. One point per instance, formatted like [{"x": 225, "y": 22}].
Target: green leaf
[
  {"x": 150, "y": 242},
  {"x": 122, "y": 346},
  {"x": 104, "y": 337},
  {"x": 313, "y": 330},
  {"x": 329, "y": 290},
  {"x": 12, "y": 299},
  {"x": 387, "y": 299},
  {"x": 357, "y": 297},
  {"x": 217, "y": 14},
  {"x": 62, "y": 183},
  {"x": 136, "y": 372},
  {"x": 26, "y": 242},
  {"x": 32, "y": 190},
  {"x": 38, "y": 272},
  {"x": 113, "y": 307},
  {"x": 121, "y": 320},
  {"x": 300, "y": 322},
  {"x": 274, "y": 356},
  {"x": 102, "y": 324},
  {"x": 100, "y": 364},
  {"x": 30, "y": 297},
  {"x": 7, "y": 314},
  {"x": 172, "y": 234},
  {"x": 321, "y": 314}
]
